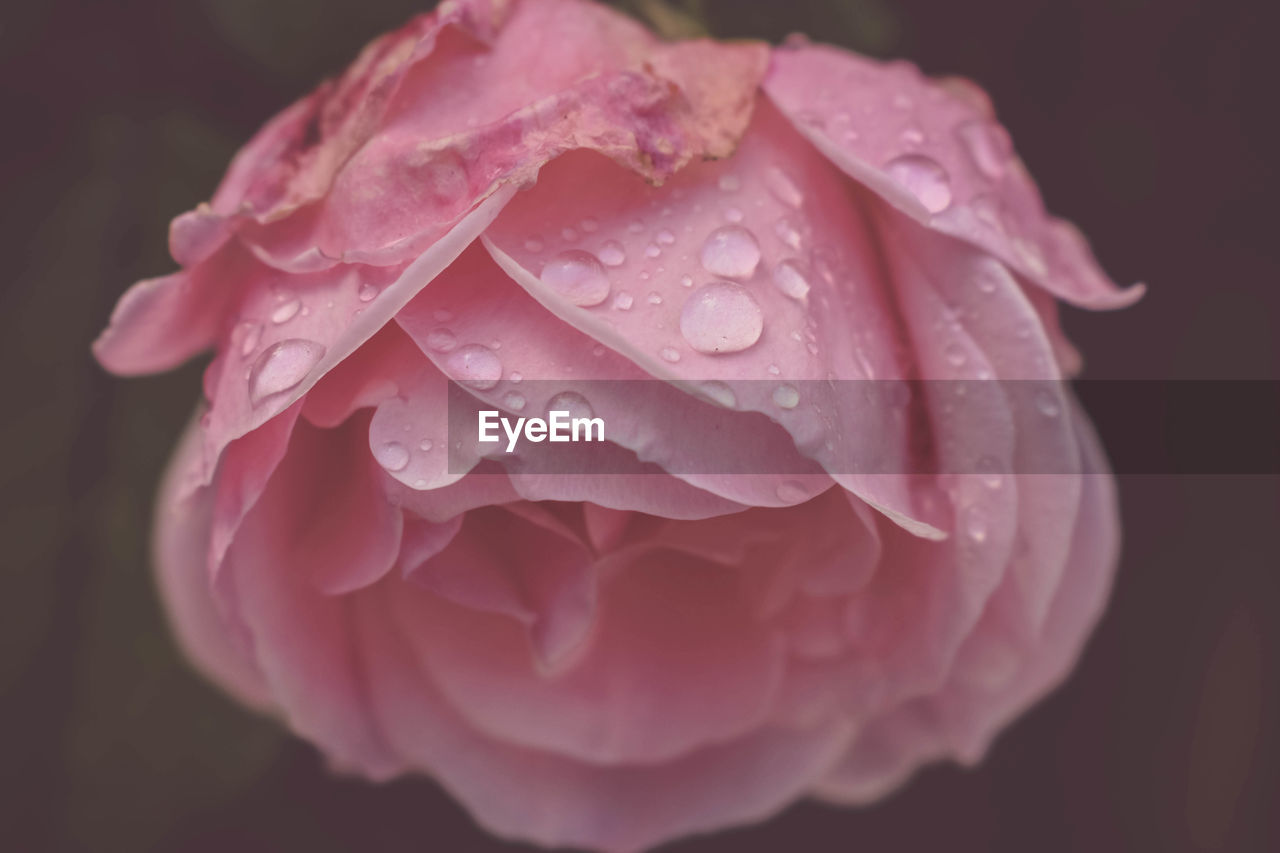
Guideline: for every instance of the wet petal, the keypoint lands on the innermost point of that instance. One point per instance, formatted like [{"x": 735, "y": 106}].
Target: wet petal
[
  {"x": 935, "y": 152},
  {"x": 667, "y": 247}
]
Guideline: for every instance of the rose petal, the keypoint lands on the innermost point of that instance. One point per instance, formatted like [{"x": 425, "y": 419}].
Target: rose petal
[{"x": 938, "y": 157}]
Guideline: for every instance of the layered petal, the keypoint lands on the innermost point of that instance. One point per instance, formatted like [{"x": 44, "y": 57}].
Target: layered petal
[{"x": 935, "y": 151}]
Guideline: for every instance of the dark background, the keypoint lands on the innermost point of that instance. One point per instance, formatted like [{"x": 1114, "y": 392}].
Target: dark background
[{"x": 1152, "y": 123}]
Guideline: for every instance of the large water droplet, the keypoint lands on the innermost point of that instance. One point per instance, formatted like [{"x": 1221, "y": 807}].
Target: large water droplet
[
  {"x": 786, "y": 396},
  {"x": 790, "y": 278},
  {"x": 988, "y": 144},
  {"x": 578, "y": 277},
  {"x": 721, "y": 317},
  {"x": 474, "y": 365},
  {"x": 281, "y": 367},
  {"x": 393, "y": 456},
  {"x": 732, "y": 252},
  {"x": 514, "y": 401},
  {"x": 441, "y": 339},
  {"x": 924, "y": 178},
  {"x": 573, "y": 403}
]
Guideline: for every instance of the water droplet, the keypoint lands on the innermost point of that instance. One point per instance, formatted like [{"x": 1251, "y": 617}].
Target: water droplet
[
  {"x": 281, "y": 367},
  {"x": 783, "y": 188},
  {"x": 569, "y": 235},
  {"x": 425, "y": 445},
  {"x": 786, "y": 396},
  {"x": 686, "y": 280},
  {"x": 988, "y": 144},
  {"x": 578, "y": 277},
  {"x": 368, "y": 292},
  {"x": 774, "y": 370},
  {"x": 573, "y": 403},
  {"x": 623, "y": 301},
  {"x": 652, "y": 250},
  {"x": 516, "y": 377},
  {"x": 533, "y": 244},
  {"x": 792, "y": 492},
  {"x": 665, "y": 238},
  {"x": 789, "y": 277},
  {"x": 732, "y": 252},
  {"x": 655, "y": 298},
  {"x": 955, "y": 355},
  {"x": 612, "y": 254},
  {"x": 514, "y": 401},
  {"x": 721, "y": 317},
  {"x": 251, "y": 334},
  {"x": 670, "y": 354},
  {"x": 989, "y": 468},
  {"x": 912, "y": 136},
  {"x": 636, "y": 226},
  {"x": 720, "y": 394},
  {"x": 788, "y": 233},
  {"x": 976, "y": 524},
  {"x": 1047, "y": 403},
  {"x": 730, "y": 183},
  {"x": 734, "y": 215},
  {"x": 393, "y": 456},
  {"x": 286, "y": 311},
  {"x": 474, "y": 365},
  {"x": 589, "y": 225},
  {"x": 441, "y": 339},
  {"x": 924, "y": 178}
]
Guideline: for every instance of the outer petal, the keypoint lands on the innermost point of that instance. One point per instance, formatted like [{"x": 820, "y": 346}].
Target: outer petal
[
  {"x": 992, "y": 683},
  {"x": 287, "y": 551},
  {"x": 935, "y": 152},
  {"x": 182, "y": 530}
]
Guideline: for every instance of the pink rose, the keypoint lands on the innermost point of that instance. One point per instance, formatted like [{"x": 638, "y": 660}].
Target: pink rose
[{"x": 542, "y": 190}]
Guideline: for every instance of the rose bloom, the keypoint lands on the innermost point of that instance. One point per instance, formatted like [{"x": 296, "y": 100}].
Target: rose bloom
[{"x": 502, "y": 192}]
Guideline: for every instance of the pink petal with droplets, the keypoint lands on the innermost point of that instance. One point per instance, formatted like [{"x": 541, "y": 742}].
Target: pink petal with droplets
[
  {"x": 938, "y": 156},
  {"x": 844, "y": 328}
]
